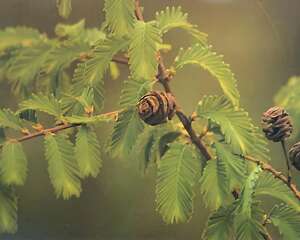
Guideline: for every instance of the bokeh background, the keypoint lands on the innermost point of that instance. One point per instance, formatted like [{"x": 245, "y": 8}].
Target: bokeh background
[{"x": 260, "y": 43}]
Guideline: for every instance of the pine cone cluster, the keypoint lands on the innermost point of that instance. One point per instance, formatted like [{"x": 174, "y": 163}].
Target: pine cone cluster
[
  {"x": 156, "y": 107},
  {"x": 276, "y": 124},
  {"x": 294, "y": 155}
]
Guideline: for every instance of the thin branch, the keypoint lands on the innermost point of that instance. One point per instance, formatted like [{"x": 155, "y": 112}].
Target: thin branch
[
  {"x": 60, "y": 128},
  {"x": 267, "y": 167},
  {"x": 121, "y": 60},
  {"x": 138, "y": 11},
  {"x": 287, "y": 161}
]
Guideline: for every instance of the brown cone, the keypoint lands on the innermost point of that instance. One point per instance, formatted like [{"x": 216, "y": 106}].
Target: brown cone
[
  {"x": 294, "y": 155},
  {"x": 156, "y": 107},
  {"x": 276, "y": 124}
]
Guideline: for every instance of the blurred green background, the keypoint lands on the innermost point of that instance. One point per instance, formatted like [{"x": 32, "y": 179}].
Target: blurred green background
[{"x": 260, "y": 44}]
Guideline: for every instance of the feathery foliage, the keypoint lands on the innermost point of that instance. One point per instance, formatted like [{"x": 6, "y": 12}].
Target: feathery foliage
[
  {"x": 87, "y": 152},
  {"x": 288, "y": 97},
  {"x": 173, "y": 17},
  {"x": 250, "y": 227},
  {"x": 267, "y": 185},
  {"x": 215, "y": 174},
  {"x": 9, "y": 120},
  {"x": 129, "y": 126},
  {"x": 18, "y": 36},
  {"x": 8, "y": 210},
  {"x": 13, "y": 164},
  {"x": 101, "y": 118},
  {"x": 153, "y": 143},
  {"x": 234, "y": 164},
  {"x": 64, "y": 7},
  {"x": 68, "y": 70},
  {"x": 90, "y": 73},
  {"x": 248, "y": 216},
  {"x": 287, "y": 220},
  {"x": 143, "y": 49},
  {"x": 210, "y": 61},
  {"x": 25, "y": 69},
  {"x": 177, "y": 172},
  {"x": 220, "y": 223},
  {"x": 119, "y": 16},
  {"x": 235, "y": 123},
  {"x": 47, "y": 104},
  {"x": 63, "y": 170},
  {"x": 133, "y": 90},
  {"x": 125, "y": 132}
]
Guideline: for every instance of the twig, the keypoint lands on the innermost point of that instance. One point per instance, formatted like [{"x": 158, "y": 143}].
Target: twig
[
  {"x": 121, "y": 60},
  {"x": 267, "y": 167},
  {"x": 59, "y": 128},
  {"x": 287, "y": 161}
]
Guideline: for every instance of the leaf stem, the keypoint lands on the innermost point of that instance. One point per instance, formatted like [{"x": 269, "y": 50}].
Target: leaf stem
[{"x": 287, "y": 161}]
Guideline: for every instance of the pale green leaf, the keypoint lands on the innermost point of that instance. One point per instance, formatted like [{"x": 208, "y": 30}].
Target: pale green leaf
[
  {"x": 63, "y": 170},
  {"x": 47, "y": 104},
  {"x": 173, "y": 17},
  {"x": 125, "y": 132},
  {"x": 220, "y": 224},
  {"x": 246, "y": 198},
  {"x": 9, "y": 120},
  {"x": 177, "y": 172},
  {"x": 267, "y": 185},
  {"x": 153, "y": 143},
  {"x": 235, "y": 123},
  {"x": 8, "y": 210},
  {"x": 288, "y": 97},
  {"x": 52, "y": 74},
  {"x": 143, "y": 50},
  {"x": 13, "y": 164},
  {"x": 287, "y": 220},
  {"x": 90, "y": 73},
  {"x": 133, "y": 90},
  {"x": 26, "y": 66},
  {"x": 101, "y": 118},
  {"x": 215, "y": 174},
  {"x": 87, "y": 152},
  {"x": 250, "y": 227},
  {"x": 114, "y": 70},
  {"x": 64, "y": 7},
  {"x": 70, "y": 31},
  {"x": 18, "y": 36},
  {"x": 248, "y": 216},
  {"x": 119, "y": 16},
  {"x": 77, "y": 33},
  {"x": 210, "y": 61},
  {"x": 235, "y": 165}
]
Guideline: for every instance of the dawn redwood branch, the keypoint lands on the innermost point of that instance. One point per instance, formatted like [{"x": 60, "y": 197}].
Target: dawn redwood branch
[
  {"x": 164, "y": 78},
  {"x": 59, "y": 128},
  {"x": 267, "y": 167}
]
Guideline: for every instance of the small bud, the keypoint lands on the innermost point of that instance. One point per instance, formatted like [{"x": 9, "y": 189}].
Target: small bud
[
  {"x": 276, "y": 124},
  {"x": 294, "y": 155},
  {"x": 156, "y": 107},
  {"x": 38, "y": 127}
]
